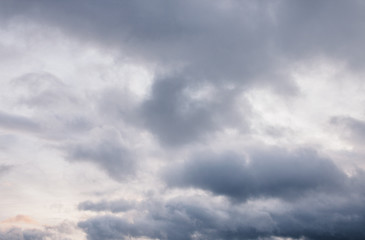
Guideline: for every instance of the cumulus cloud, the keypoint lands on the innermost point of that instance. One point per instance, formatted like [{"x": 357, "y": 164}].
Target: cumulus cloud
[
  {"x": 275, "y": 173},
  {"x": 295, "y": 195},
  {"x": 315, "y": 217},
  {"x": 220, "y": 75}
]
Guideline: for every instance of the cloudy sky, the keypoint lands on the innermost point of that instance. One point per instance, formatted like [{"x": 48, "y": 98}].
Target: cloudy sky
[{"x": 178, "y": 120}]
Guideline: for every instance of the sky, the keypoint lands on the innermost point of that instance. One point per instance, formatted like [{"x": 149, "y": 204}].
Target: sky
[{"x": 182, "y": 120}]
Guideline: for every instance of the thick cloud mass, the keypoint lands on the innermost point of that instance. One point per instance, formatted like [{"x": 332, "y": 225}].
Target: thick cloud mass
[
  {"x": 173, "y": 220},
  {"x": 268, "y": 174},
  {"x": 230, "y": 40},
  {"x": 316, "y": 217},
  {"x": 243, "y": 43},
  {"x": 312, "y": 199},
  {"x": 233, "y": 119},
  {"x": 177, "y": 118}
]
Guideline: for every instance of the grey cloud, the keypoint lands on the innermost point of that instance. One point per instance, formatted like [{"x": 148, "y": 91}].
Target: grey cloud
[
  {"x": 177, "y": 118},
  {"x": 4, "y": 169},
  {"x": 57, "y": 232},
  {"x": 41, "y": 90},
  {"x": 108, "y": 152},
  {"x": 170, "y": 115},
  {"x": 236, "y": 40},
  {"x": 354, "y": 128},
  {"x": 179, "y": 223},
  {"x": 329, "y": 217},
  {"x": 274, "y": 173},
  {"x": 7, "y": 141},
  {"x": 167, "y": 221},
  {"x": 54, "y": 106},
  {"x": 316, "y": 217},
  {"x": 116, "y": 206},
  {"x": 19, "y": 234},
  {"x": 330, "y": 28},
  {"x": 230, "y": 45},
  {"x": 117, "y": 105},
  {"x": 18, "y": 122},
  {"x": 175, "y": 113},
  {"x": 244, "y": 43},
  {"x": 211, "y": 43}
]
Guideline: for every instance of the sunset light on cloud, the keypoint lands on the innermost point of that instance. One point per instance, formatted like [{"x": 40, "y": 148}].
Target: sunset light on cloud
[
  {"x": 22, "y": 219},
  {"x": 178, "y": 120}
]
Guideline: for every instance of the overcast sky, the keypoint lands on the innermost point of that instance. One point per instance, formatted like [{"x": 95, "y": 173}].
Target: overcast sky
[{"x": 182, "y": 120}]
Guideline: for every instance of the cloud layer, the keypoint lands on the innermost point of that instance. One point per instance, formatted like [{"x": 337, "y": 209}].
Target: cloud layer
[
  {"x": 268, "y": 174},
  {"x": 184, "y": 119}
]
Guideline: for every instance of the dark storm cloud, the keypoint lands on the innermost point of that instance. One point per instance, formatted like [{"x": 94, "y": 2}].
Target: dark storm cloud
[
  {"x": 116, "y": 206},
  {"x": 319, "y": 216},
  {"x": 108, "y": 152},
  {"x": 275, "y": 173}
]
